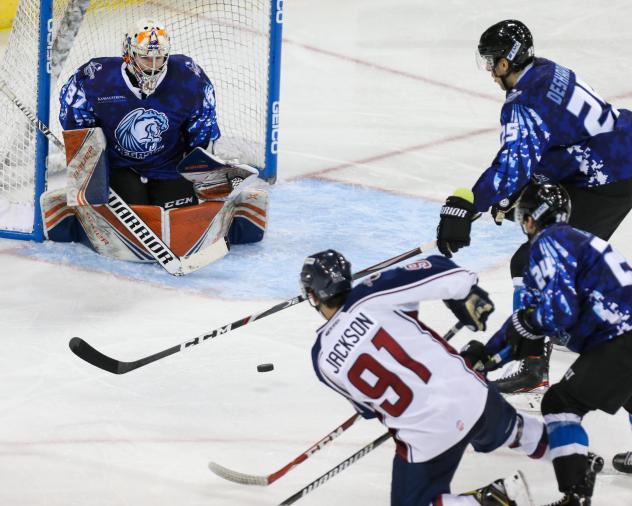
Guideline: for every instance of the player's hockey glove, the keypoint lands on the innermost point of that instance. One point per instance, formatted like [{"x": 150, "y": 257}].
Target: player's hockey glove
[
  {"x": 516, "y": 339},
  {"x": 474, "y": 354},
  {"x": 504, "y": 210},
  {"x": 455, "y": 222},
  {"x": 474, "y": 310}
]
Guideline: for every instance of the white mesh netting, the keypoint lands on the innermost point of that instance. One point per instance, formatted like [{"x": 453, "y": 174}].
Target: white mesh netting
[{"x": 229, "y": 39}]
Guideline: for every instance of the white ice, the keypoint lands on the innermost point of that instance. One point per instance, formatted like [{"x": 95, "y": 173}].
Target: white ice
[{"x": 384, "y": 113}]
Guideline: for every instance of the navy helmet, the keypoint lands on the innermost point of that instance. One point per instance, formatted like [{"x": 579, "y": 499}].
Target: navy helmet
[
  {"x": 325, "y": 274},
  {"x": 510, "y": 39}
]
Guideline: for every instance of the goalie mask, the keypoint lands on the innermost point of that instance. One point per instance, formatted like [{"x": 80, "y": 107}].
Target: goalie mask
[
  {"x": 146, "y": 52},
  {"x": 325, "y": 275}
]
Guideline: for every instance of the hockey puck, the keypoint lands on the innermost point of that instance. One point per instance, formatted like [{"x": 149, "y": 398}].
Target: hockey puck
[{"x": 265, "y": 367}]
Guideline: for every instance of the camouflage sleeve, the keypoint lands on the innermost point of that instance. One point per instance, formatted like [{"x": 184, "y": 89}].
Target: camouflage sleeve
[
  {"x": 75, "y": 109},
  {"x": 524, "y": 137},
  {"x": 202, "y": 127},
  {"x": 550, "y": 286}
]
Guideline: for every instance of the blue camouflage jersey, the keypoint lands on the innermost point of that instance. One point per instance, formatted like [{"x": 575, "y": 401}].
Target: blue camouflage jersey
[
  {"x": 149, "y": 135},
  {"x": 579, "y": 288},
  {"x": 554, "y": 124}
]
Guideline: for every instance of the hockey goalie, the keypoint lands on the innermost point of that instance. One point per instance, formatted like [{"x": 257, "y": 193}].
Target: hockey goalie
[{"x": 143, "y": 183}]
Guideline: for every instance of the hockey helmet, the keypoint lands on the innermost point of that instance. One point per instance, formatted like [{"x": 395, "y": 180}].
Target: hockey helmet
[
  {"x": 325, "y": 275},
  {"x": 146, "y": 51},
  {"x": 546, "y": 202},
  {"x": 510, "y": 39}
]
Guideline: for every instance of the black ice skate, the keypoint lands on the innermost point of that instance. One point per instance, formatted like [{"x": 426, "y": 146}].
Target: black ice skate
[
  {"x": 622, "y": 462},
  {"x": 531, "y": 377},
  {"x": 511, "y": 491},
  {"x": 581, "y": 494}
]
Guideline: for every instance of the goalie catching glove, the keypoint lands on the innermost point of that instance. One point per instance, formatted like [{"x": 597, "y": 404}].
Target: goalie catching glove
[
  {"x": 473, "y": 310},
  {"x": 455, "y": 223}
]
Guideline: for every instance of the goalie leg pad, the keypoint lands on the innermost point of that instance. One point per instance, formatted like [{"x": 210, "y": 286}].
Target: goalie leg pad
[
  {"x": 250, "y": 218},
  {"x": 87, "y": 167},
  {"x": 60, "y": 220}
]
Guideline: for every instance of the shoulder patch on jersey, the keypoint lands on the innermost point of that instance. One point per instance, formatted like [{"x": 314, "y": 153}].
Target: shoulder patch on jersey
[
  {"x": 139, "y": 133},
  {"x": 193, "y": 67},
  {"x": 419, "y": 264},
  {"x": 91, "y": 69}
]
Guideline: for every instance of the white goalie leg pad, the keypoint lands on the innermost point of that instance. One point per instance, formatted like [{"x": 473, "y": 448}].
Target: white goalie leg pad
[
  {"x": 106, "y": 240},
  {"x": 87, "y": 167},
  {"x": 250, "y": 218},
  {"x": 58, "y": 217}
]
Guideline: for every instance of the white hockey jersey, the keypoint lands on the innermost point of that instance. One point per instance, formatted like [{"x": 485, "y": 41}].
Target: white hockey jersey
[{"x": 378, "y": 354}]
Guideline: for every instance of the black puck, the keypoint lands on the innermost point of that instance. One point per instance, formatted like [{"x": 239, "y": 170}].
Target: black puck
[{"x": 265, "y": 367}]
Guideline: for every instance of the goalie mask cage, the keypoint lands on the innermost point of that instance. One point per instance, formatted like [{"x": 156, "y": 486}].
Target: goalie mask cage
[{"x": 236, "y": 42}]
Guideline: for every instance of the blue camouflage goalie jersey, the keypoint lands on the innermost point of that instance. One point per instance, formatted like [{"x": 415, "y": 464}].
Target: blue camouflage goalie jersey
[
  {"x": 554, "y": 124},
  {"x": 580, "y": 289},
  {"x": 149, "y": 135}
]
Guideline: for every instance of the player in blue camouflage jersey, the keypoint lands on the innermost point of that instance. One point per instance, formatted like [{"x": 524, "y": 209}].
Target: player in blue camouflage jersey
[
  {"x": 578, "y": 290},
  {"x": 556, "y": 125},
  {"x": 153, "y": 107}
]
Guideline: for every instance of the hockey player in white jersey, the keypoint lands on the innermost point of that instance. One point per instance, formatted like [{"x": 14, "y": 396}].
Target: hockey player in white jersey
[{"x": 375, "y": 351}]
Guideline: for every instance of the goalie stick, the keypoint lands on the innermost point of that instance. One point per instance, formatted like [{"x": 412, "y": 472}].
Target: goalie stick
[
  {"x": 335, "y": 470},
  {"x": 264, "y": 481},
  {"x": 93, "y": 356}
]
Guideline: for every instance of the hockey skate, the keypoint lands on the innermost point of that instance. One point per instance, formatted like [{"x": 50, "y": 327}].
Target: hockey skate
[
  {"x": 622, "y": 462},
  {"x": 511, "y": 491},
  {"x": 581, "y": 494},
  {"x": 530, "y": 380}
]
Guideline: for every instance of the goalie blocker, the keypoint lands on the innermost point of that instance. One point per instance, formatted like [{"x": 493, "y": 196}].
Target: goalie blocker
[{"x": 86, "y": 211}]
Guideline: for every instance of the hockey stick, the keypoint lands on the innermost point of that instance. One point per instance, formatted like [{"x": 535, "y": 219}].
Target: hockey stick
[
  {"x": 335, "y": 470},
  {"x": 164, "y": 256},
  {"x": 253, "y": 479},
  {"x": 93, "y": 356},
  {"x": 30, "y": 115}
]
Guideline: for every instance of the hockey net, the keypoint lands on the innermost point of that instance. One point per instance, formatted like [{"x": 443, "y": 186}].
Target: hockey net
[{"x": 229, "y": 39}]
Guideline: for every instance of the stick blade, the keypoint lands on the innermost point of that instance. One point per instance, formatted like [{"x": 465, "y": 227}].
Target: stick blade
[
  {"x": 237, "y": 477},
  {"x": 93, "y": 356}
]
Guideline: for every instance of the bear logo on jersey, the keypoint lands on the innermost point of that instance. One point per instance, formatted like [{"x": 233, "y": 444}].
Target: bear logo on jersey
[{"x": 139, "y": 134}]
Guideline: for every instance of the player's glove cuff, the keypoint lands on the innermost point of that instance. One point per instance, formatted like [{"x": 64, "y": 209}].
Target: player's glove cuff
[
  {"x": 522, "y": 337},
  {"x": 521, "y": 325}
]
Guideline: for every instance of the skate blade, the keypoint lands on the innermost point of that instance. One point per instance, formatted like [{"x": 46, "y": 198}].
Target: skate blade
[
  {"x": 518, "y": 490},
  {"x": 526, "y": 401}
]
